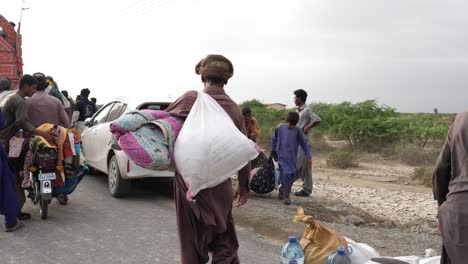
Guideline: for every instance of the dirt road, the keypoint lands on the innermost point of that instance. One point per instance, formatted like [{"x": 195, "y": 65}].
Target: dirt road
[{"x": 376, "y": 203}]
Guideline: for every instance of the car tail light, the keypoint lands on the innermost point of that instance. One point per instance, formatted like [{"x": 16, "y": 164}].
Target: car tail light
[{"x": 128, "y": 166}]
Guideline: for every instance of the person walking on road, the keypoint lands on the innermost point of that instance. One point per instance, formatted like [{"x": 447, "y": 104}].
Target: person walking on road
[
  {"x": 84, "y": 108},
  {"x": 9, "y": 203},
  {"x": 285, "y": 144},
  {"x": 450, "y": 188},
  {"x": 16, "y": 118},
  {"x": 307, "y": 121},
  {"x": 207, "y": 225}
]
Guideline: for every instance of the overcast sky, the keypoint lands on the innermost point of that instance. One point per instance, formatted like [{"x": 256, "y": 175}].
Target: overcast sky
[{"x": 412, "y": 55}]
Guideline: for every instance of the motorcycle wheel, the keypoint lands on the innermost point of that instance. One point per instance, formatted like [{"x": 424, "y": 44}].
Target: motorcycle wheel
[{"x": 44, "y": 207}]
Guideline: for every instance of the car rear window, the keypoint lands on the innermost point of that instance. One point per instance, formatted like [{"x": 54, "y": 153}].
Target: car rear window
[{"x": 154, "y": 106}]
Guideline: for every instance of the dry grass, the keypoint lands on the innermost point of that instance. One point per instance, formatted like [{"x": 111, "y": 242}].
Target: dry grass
[
  {"x": 342, "y": 159},
  {"x": 423, "y": 175}
]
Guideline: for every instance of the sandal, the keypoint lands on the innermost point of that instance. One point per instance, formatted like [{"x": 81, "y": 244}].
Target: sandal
[
  {"x": 15, "y": 227},
  {"x": 24, "y": 216},
  {"x": 63, "y": 199}
]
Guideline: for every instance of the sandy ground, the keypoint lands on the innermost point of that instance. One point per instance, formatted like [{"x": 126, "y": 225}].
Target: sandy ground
[{"x": 376, "y": 203}]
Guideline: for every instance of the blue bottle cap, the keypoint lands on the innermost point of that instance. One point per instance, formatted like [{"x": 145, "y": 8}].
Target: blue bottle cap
[
  {"x": 292, "y": 239},
  {"x": 341, "y": 251}
]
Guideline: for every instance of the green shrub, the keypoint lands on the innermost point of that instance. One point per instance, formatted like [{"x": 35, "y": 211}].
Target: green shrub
[
  {"x": 342, "y": 159},
  {"x": 365, "y": 126},
  {"x": 423, "y": 175},
  {"x": 370, "y": 127}
]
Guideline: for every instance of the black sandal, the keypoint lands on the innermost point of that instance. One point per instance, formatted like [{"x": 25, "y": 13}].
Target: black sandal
[
  {"x": 15, "y": 227},
  {"x": 24, "y": 216}
]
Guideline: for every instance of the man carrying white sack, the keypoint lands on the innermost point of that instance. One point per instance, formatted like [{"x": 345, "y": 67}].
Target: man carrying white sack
[{"x": 206, "y": 224}]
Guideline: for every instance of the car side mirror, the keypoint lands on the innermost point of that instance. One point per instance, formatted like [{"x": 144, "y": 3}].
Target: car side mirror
[{"x": 88, "y": 122}]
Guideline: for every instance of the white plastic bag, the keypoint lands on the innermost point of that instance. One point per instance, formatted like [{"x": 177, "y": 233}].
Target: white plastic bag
[
  {"x": 277, "y": 175},
  {"x": 210, "y": 148},
  {"x": 431, "y": 260},
  {"x": 361, "y": 252},
  {"x": 407, "y": 259}
]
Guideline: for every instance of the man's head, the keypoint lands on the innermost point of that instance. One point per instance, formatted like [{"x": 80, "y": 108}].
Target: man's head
[
  {"x": 85, "y": 93},
  {"x": 292, "y": 118},
  {"x": 5, "y": 85},
  {"x": 41, "y": 81},
  {"x": 247, "y": 112},
  {"x": 93, "y": 99},
  {"x": 78, "y": 98},
  {"x": 12, "y": 24},
  {"x": 300, "y": 97},
  {"x": 65, "y": 93},
  {"x": 28, "y": 85},
  {"x": 215, "y": 69}
]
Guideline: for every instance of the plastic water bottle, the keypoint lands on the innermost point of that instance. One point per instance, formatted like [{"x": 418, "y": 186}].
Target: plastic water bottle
[
  {"x": 292, "y": 252},
  {"x": 340, "y": 256}
]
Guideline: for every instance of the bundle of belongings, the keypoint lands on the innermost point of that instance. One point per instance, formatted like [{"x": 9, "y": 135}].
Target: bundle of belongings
[
  {"x": 265, "y": 175},
  {"x": 64, "y": 153},
  {"x": 210, "y": 148},
  {"x": 147, "y": 137},
  {"x": 320, "y": 241}
]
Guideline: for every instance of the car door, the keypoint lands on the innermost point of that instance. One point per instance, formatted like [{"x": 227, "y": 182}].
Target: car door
[{"x": 96, "y": 137}]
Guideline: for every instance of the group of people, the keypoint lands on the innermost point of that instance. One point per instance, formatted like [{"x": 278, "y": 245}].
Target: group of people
[
  {"x": 290, "y": 145},
  {"x": 37, "y": 101},
  {"x": 207, "y": 225}
]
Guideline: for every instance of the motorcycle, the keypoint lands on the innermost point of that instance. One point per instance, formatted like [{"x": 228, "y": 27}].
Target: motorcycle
[{"x": 43, "y": 171}]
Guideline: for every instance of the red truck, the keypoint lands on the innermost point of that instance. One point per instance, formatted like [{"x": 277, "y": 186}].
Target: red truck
[{"x": 11, "y": 62}]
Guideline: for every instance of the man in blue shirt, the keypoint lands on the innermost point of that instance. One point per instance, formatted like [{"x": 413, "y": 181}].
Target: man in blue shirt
[{"x": 284, "y": 148}]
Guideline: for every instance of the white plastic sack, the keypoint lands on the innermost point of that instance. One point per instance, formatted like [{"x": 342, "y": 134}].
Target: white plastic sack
[
  {"x": 210, "y": 148},
  {"x": 277, "y": 175},
  {"x": 408, "y": 259},
  {"x": 361, "y": 252},
  {"x": 431, "y": 260}
]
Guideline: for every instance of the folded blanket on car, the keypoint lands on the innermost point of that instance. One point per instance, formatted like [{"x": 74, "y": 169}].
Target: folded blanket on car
[{"x": 147, "y": 137}]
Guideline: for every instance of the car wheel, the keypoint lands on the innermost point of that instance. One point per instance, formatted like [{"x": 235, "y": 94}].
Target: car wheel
[{"x": 118, "y": 187}]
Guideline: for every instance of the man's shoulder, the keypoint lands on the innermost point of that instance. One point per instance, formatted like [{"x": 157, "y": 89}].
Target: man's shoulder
[
  {"x": 53, "y": 100},
  {"x": 307, "y": 109},
  {"x": 13, "y": 99},
  {"x": 281, "y": 126}
]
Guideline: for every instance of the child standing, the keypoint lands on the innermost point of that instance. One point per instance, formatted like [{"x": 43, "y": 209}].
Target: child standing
[{"x": 284, "y": 148}]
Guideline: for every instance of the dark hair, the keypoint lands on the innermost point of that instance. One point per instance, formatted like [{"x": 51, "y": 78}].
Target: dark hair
[
  {"x": 78, "y": 97},
  {"x": 292, "y": 118},
  {"x": 5, "y": 84},
  {"x": 38, "y": 74},
  {"x": 27, "y": 80},
  {"x": 41, "y": 83},
  {"x": 301, "y": 94},
  {"x": 246, "y": 111},
  {"x": 49, "y": 78},
  {"x": 85, "y": 93},
  {"x": 93, "y": 99},
  {"x": 65, "y": 93},
  {"x": 12, "y": 24}
]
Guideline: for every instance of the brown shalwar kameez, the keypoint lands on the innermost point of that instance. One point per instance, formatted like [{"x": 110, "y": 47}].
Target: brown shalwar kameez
[
  {"x": 206, "y": 225},
  {"x": 450, "y": 187}
]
